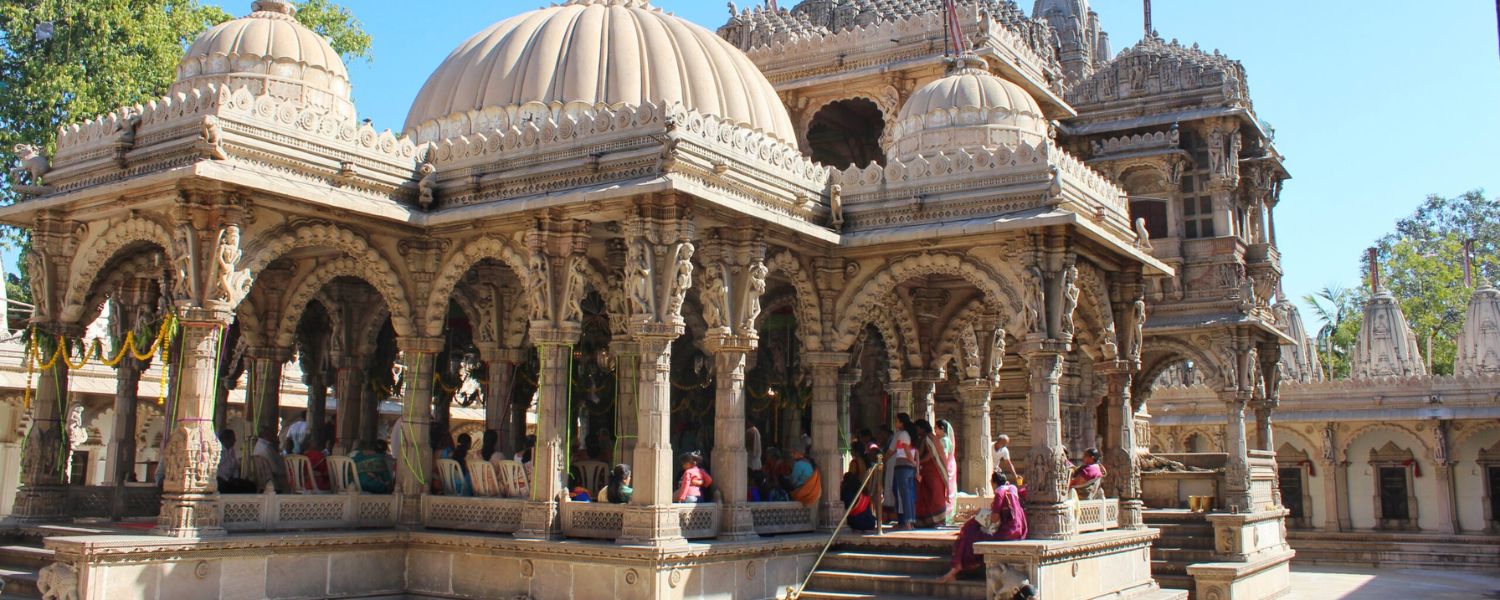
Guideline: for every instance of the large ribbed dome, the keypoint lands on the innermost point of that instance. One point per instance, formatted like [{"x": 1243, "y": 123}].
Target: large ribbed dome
[
  {"x": 590, "y": 52},
  {"x": 271, "y": 53},
  {"x": 969, "y": 107}
]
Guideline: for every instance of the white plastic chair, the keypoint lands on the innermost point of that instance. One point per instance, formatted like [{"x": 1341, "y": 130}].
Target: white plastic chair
[
  {"x": 300, "y": 474},
  {"x": 343, "y": 476},
  {"x": 452, "y": 476},
  {"x": 486, "y": 481},
  {"x": 513, "y": 482},
  {"x": 594, "y": 474}
]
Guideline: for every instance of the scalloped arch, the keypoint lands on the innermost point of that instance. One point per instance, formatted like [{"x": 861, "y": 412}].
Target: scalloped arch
[
  {"x": 997, "y": 291},
  {"x": 373, "y": 266},
  {"x": 136, "y": 266},
  {"x": 1463, "y": 438},
  {"x": 1177, "y": 351},
  {"x": 93, "y": 258},
  {"x": 458, "y": 264},
  {"x": 960, "y": 331},
  {"x": 809, "y": 318},
  {"x": 310, "y": 285},
  {"x": 1416, "y": 440}
]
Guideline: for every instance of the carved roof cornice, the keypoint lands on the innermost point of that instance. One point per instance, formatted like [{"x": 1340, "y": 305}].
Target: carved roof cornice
[{"x": 1157, "y": 77}]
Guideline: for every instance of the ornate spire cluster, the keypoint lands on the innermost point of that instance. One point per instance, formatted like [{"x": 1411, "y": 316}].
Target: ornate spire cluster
[
  {"x": 1386, "y": 346},
  {"x": 1479, "y": 342}
]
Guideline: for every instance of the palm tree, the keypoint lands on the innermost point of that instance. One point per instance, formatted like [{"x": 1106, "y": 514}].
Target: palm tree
[{"x": 1334, "y": 306}]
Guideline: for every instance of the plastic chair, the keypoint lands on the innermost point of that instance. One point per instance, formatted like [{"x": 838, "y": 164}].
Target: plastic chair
[
  {"x": 595, "y": 474},
  {"x": 486, "y": 481},
  {"x": 343, "y": 476},
  {"x": 300, "y": 474},
  {"x": 513, "y": 482},
  {"x": 452, "y": 475}
]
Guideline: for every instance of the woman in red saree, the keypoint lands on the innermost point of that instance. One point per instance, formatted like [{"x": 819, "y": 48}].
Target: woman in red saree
[
  {"x": 932, "y": 478},
  {"x": 1005, "y": 521}
]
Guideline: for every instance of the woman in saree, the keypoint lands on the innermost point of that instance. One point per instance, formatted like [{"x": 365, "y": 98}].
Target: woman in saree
[
  {"x": 1005, "y": 521},
  {"x": 945, "y": 433},
  {"x": 932, "y": 478},
  {"x": 807, "y": 484},
  {"x": 1087, "y": 480}
]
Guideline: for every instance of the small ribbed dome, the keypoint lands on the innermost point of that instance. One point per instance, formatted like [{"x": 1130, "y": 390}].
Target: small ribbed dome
[
  {"x": 585, "y": 53},
  {"x": 269, "y": 52},
  {"x": 967, "y": 108}
]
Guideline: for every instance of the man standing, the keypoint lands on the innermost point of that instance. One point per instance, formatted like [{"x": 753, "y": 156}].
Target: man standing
[
  {"x": 1002, "y": 457},
  {"x": 298, "y": 433},
  {"x": 752, "y": 447}
]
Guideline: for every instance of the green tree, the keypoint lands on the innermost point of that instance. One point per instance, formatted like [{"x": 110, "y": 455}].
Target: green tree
[
  {"x": 1339, "y": 311},
  {"x": 1422, "y": 264},
  {"x": 63, "y": 61}
]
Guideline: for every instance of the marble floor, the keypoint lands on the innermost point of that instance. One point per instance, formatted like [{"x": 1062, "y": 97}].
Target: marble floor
[{"x": 1339, "y": 583}]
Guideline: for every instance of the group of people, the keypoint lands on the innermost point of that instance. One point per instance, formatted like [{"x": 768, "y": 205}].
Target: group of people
[
  {"x": 921, "y": 476},
  {"x": 268, "y": 471}
]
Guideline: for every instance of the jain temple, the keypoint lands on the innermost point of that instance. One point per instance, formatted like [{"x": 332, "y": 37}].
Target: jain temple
[{"x": 276, "y": 352}]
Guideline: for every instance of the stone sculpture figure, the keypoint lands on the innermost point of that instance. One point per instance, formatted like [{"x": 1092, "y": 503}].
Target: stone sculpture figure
[
  {"x": 758, "y": 274},
  {"x": 836, "y": 207},
  {"x": 1216, "y": 152},
  {"x": 1142, "y": 236},
  {"x": 184, "y": 277},
  {"x": 638, "y": 276},
  {"x": 1070, "y": 299},
  {"x": 228, "y": 284},
  {"x": 684, "y": 280},
  {"x": 1138, "y": 327},
  {"x": 213, "y": 137},
  {"x": 33, "y": 165},
  {"x": 426, "y": 184},
  {"x": 577, "y": 286},
  {"x": 541, "y": 286},
  {"x": 1035, "y": 300},
  {"x": 713, "y": 296}
]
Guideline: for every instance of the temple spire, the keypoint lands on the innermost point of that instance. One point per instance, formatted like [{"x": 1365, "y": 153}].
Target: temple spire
[
  {"x": 953, "y": 30},
  {"x": 1373, "y": 256},
  {"x": 1150, "y": 31}
]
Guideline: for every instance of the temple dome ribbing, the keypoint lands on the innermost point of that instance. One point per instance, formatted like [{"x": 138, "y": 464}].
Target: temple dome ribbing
[{"x": 967, "y": 108}]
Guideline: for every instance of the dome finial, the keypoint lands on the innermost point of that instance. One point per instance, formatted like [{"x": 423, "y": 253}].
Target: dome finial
[{"x": 284, "y": 7}]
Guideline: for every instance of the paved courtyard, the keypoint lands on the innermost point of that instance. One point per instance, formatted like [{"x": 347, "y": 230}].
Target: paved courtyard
[{"x": 1337, "y": 583}]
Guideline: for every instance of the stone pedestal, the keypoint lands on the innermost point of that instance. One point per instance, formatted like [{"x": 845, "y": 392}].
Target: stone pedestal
[
  {"x": 1252, "y": 560},
  {"x": 1096, "y": 566},
  {"x": 1236, "y": 492}
]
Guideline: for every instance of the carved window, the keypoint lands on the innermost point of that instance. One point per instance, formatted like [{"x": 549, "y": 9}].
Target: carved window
[
  {"x": 1198, "y": 217},
  {"x": 847, "y": 133},
  {"x": 1394, "y": 469},
  {"x": 1155, "y": 214}
]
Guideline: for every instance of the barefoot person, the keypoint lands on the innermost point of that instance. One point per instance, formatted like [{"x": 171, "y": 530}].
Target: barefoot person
[{"x": 1005, "y": 521}]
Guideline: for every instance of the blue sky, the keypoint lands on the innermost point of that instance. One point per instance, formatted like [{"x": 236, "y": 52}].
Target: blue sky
[{"x": 1376, "y": 103}]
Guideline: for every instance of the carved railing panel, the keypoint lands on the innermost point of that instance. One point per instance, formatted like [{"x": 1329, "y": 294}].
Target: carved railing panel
[
  {"x": 282, "y": 512},
  {"x": 592, "y": 520},
  {"x": 698, "y": 521},
  {"x": 782, "y": 517},
  {"x": 1098, "y": 515},
  {"x": 495, "y": 515}
]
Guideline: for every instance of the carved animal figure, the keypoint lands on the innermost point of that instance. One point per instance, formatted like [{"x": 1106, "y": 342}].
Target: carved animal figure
[{"x": 33, "y": 165}]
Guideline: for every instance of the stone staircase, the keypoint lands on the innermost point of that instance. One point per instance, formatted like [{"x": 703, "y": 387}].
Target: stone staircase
[
  {"x": 1186, "y": 538},
  {"x": 1403, "y": 550},
  {"x": 896, "y": 567},
  {"x": 21, "y": 558}
]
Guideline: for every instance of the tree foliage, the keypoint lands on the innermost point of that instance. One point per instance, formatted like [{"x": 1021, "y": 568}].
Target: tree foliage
[
  {"x": 1339, "y": 310},
  {"x": 64, "y": 61}
]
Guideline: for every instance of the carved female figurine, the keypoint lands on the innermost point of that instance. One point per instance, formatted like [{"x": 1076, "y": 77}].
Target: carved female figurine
[
  {"x": 228, "y": 256},
  {"x": 758, "y": 274},
  {"x": 684, "y": 280},
  {"x": 1070, "y": 299},
  {"x": 638, "y": 277}
]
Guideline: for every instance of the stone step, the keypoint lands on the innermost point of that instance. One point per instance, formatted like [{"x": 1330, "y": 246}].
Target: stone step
[
  {"x": 26, "y": 556},
  {"x": 1163, "y": 594},
  {"x": 1164, "y": 567},
  {"x": 1183, "y": 556},
  {"x": 1204, "y": 542},
  {"x": 1175, "y": 583},
  {"x": 1381, "y": 549},
  {"x": 884, "y": 585},
  {"x": 881, "y": 562},
  {"x": 817, "y": 595}
]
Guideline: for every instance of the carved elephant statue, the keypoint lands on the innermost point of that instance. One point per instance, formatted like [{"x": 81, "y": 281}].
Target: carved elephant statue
[{"x": 58, "y": 581}]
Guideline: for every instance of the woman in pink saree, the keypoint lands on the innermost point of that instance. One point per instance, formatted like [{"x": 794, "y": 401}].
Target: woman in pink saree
[{"x": 1004, "y": 522}]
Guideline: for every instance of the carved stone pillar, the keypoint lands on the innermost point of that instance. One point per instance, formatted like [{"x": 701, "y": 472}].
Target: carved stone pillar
[
  {"x": 191, "y": 459},
  {"x": 1047, "y": 474},
  {"x": 1265, "y": 437},
  {"x": 1237, "y": 467},
  {"x": 265, "y": 390},
  {"x": 976, "y": 438},
  {"x": 1332, "y": 494},
  {"x": 825, "y": 432},
  {"x": 658, "y": 273},
  {"x": 847, "y": 380},
  {"x": 924, "y": 399},
  {"x": 370, "y": 423},
  {"x": 730, "y": 286},
  {"x": 901, "y": 394},
  {"x": 497, "y": 395},
  {"x": 348, "y": 388},
  {"x": 315, "y": 377},
  {"x": 414, "y": 451},
  {"x": 1447, "y": 494},
  {"x": 44, "y": 459},
  {"x": 539, "y": 520},
  {"x": 121, "y": 461},
  {"x": 1121, "y": 454},
  {"x": 627, "y": 355}
]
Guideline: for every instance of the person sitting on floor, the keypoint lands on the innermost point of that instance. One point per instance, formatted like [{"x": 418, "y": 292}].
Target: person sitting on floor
[
  {"x": 807, "y": 484},
  {"x": 861, "y": 507},
  {"x": 1005, "y": 521}
]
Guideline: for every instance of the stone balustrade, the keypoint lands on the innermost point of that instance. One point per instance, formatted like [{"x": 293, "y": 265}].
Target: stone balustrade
[
  {"x": 94, "y": 501},
  {"x": 295, "y": 512}
]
